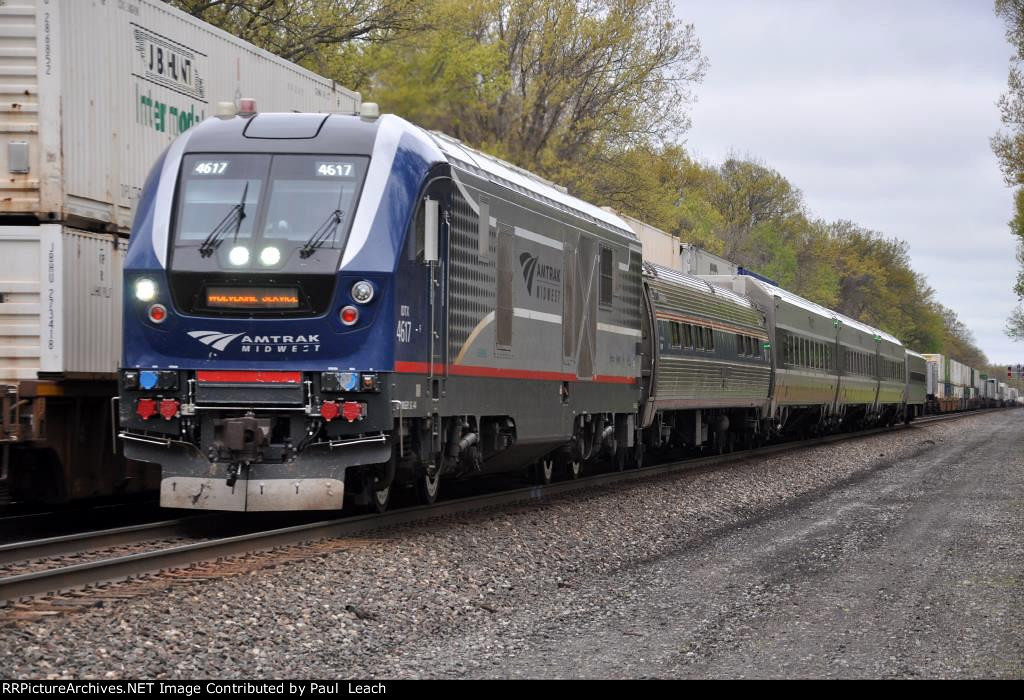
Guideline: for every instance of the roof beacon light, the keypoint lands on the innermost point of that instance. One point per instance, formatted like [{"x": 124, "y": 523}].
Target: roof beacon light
[
  {"x": 246, "y": 106},
  {"x": 226, "y": 110},
  {"x": 369, "y": 110}
]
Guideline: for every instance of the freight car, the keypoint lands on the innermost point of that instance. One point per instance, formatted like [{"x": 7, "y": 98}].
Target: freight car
[
  {"x": 323, "y": 304},
  {"x": 91, "y": 94}
]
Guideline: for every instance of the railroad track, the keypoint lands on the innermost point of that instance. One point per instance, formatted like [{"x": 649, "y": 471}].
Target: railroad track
[
  {"x": 19, "y": 523},
  {"x": 152, "y": 560}
]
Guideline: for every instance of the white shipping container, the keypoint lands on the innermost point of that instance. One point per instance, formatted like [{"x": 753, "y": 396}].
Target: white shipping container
[
  {"x": 660, "y": 247},
  {"x": 935, "y": 381},
  {"x": 92, "y": 91},
  {"x": 697, "y": 261},
  {"x": 663, "y": 248},
  {"x": 60, "y": 302}
]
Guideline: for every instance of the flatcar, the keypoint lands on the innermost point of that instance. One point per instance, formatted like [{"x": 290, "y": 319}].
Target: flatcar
[{"x": 325, "y": 306}]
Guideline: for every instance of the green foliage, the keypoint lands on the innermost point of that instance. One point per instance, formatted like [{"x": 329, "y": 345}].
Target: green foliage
[
  {"x": 546, "y": 84},
  {"x": 1008, "y": 145},
  {"x": 327, "y": 36}
]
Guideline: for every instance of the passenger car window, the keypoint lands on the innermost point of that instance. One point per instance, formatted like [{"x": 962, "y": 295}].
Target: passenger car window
[{"x": 674, "y": 335}]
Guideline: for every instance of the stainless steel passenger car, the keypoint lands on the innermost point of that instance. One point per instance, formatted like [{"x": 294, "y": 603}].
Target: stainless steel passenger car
[
  {"x": 710, "y": 367},
  {"x": 829, "y": 370}
]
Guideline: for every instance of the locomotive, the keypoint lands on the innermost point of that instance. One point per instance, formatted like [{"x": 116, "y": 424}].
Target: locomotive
[{"x": 328, "y": 305}]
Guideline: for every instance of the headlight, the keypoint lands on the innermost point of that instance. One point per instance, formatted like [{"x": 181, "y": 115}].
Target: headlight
[
  {"x": 270, "y": 256},
  {"x": 145, "y": 289},
  {"x": 239, "y": 255},
  {"x": 362, "y": 292}
]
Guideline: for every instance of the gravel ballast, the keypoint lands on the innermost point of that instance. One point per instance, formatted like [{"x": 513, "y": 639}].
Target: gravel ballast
[{"x": 834, "y": 560}]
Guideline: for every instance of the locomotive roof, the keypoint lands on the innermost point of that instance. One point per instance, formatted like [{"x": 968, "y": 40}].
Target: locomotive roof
[
  {"x": 695, "y": 283},
  {"x": 512, "y": 176},
  {"x": 344, "y": 133}
]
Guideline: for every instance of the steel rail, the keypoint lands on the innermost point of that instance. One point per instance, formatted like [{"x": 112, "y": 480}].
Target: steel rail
[
  {"x": 43, "y": 548},
  {"x": 20, "y": 586}
]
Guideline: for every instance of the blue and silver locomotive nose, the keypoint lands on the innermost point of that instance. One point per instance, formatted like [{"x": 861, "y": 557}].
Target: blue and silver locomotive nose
[{"x": 258, "y": 319}]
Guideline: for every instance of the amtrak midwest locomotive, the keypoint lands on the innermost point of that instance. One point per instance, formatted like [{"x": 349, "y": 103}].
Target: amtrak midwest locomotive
[{"x": 327, "y": 304}]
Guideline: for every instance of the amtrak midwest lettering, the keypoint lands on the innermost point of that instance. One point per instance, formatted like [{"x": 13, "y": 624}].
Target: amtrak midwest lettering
[
  {"x": 259, "y": 343},
  {"x": 280, "y": 343}
]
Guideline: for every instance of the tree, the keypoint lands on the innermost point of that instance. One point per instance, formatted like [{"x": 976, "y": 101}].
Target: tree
[
  {"x": 323, "y": 35},
  {"x": 1009, "y": 145},
  {"x": 552, "y": 86},
  {"x": 662, "y": 187},
  {"x": 1015, "y": 324},
  {"x": 753, "y": 197}
]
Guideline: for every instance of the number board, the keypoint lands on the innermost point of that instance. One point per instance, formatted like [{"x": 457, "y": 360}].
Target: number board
[{"x": 326, "y": 168}]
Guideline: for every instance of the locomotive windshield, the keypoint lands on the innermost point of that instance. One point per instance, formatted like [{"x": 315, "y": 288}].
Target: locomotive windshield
[{"x": 251, "y": 213}]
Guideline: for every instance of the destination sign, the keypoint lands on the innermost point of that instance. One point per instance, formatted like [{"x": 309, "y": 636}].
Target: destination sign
[{"x": 252, "y": 297}]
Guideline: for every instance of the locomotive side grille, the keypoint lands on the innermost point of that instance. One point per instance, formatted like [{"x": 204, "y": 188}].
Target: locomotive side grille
[
  {"x": 471, "y": 282},
  {"x": 627, "y": 306}
]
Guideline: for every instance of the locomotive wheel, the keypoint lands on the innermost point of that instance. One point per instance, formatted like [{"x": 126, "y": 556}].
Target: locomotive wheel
[
  {"x": 638, "y": 455},
  {"x": 545, "y": 471},
  {"x": 621, "y": 457},
  {"x": 574, "y": 468},
  {"x": 380, "y": 500},
  {"x": 427, "y": 488}
]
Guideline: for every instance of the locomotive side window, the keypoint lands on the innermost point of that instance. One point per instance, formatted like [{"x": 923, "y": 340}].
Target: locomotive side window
[
  {"x": 607, "y": 276},
  {"x": 414, "y": 242}
]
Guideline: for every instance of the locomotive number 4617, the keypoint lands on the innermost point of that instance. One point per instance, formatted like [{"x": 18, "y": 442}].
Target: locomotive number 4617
[{"x": 404, "y": 333}]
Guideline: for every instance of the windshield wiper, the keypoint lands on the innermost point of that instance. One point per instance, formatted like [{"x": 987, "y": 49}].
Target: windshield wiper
[
  {"x": 328, "y": 229},
  {"x": 232, "y": 218}
]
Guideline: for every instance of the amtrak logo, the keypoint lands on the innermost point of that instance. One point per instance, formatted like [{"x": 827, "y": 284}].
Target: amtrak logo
[
  {"x": 259, "y": 344},
  {"x": 529, "y": 263},
  {"x": 215, "y": 339},
  {"x": 548, "y": 278}
]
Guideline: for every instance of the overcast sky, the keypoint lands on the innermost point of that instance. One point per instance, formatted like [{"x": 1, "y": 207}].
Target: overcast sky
[{"x": 881, "y": 112}]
